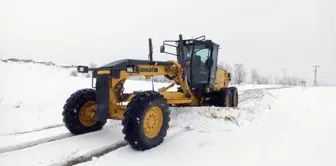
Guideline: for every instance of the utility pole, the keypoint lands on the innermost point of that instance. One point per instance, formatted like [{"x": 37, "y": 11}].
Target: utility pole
[
  {"x": 285, "y": 81},
  {"x": 315, "y": 74}
]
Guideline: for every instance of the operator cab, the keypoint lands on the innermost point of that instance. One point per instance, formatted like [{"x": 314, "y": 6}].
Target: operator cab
[{"x": 198, "y": 58}]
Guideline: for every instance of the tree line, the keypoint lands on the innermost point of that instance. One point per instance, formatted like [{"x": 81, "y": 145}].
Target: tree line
[{"x": 239, "y": 76}]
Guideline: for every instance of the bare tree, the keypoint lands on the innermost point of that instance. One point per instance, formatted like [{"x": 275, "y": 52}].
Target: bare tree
[
  {"x": 277, "y": 80},
  {"x": 270, "y": 79},
  {"x": 264, "y": 80},
  {"x": 239, "y": 74},
  {"x": 295, "y": 80},
  {"x": 255, "y": 76},
  {"x": 291, "y": 80}
]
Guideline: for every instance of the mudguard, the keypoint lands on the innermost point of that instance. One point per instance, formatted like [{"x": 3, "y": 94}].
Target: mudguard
[{"x": 102, "y": 97}]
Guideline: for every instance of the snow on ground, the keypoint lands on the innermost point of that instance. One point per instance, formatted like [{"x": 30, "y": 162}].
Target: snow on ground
[
  {"x": 185, "y": 121},
  {"x": 289, "y": 126},
  {"x": 299, "y": 128},
  {"x": 32, "y": 95}
]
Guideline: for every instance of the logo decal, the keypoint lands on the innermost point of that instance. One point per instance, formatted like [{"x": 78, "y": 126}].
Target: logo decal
[{"x": 148, "y": 70}]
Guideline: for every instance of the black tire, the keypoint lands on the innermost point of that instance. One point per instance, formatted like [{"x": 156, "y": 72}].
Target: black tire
[
  {"x": 71, "y": 111},
  {"x": 134, "y": 120},
  {"x": 234, "y": 97},
  {"x": 225, "y": 97},
  {"x": 221, "y": 98}
]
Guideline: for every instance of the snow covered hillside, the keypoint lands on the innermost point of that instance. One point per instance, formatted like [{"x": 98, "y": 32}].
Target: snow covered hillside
[{"x": 272, "y": 126}]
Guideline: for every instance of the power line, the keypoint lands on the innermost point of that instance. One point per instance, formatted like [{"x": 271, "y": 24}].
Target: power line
[{"x": 315, "y": 74}]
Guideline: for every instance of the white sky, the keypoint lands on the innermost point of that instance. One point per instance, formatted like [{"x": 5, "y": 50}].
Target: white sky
[{"x": 262, "y": 34}]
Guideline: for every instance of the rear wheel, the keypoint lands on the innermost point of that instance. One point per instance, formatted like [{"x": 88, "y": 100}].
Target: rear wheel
[
  {"x": 146, "y": 120},
  {"x": 221, "y": 98},
  {"x": 78, "y": 112},
  {"x": 225, "y": 97},
  {"x": 234, "y": 96}
]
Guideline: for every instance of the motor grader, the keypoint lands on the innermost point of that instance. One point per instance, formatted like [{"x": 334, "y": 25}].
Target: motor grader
[{"x": 145, "y": 118}]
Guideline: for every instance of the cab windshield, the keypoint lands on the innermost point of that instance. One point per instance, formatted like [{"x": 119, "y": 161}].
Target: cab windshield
[{"x": 200, "y": 52}]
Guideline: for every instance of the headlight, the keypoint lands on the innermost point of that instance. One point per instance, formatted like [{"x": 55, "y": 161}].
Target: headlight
[{"x": 82, "y": 69}]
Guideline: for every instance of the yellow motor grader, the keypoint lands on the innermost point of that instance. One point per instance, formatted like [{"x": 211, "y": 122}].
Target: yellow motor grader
[{"x": 145, "y": 119}]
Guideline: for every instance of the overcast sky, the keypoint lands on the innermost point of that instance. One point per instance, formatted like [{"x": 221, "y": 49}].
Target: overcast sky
[{"x": 269, "y": 36}]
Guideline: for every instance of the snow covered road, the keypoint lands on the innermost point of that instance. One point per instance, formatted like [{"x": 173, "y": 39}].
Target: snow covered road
[
  {"x": 272, "y": 127},
  {"x": 59, "y": 147},
  {"x": 299, "y": 128}
]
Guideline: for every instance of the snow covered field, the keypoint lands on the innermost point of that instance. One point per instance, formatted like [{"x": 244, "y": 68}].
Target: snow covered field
[
  {"x": 288, "y": 126},
  {"x": 34, "y": 95}
]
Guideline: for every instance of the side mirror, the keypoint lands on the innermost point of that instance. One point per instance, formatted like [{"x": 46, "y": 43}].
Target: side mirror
[{"x": 162, "y": 49}]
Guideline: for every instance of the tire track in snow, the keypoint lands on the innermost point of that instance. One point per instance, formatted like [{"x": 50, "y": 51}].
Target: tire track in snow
[
  {"x": 252, "y": 94},
  {"x": 121, "y": 144},
  {"x": 181, "y": 130},
  {"x": 43, "y": 140},
  {"x": 34, "y": 130},
  {"x": 89, "y": 155},
  {"x": 33, "y": 143}
]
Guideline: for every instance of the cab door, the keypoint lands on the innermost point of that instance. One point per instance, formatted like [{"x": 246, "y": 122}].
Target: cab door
[
  {"x": 213, "y": 65},
  {"x": 200, "y": 72}
]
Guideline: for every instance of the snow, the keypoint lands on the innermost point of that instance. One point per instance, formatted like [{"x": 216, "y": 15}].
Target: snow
[
  {"x": 291, "y": 129},
  {"x": 34, "y": 94},
  {"x": 86, "y": 145},
  {"x": 273, "y": 125},
  {"x": 63, "y": 150},
  {"x": 20, "y": 141}
]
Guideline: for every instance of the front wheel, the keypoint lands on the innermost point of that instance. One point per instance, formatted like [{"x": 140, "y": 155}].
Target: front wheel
[
  {"x": 78, "y": 112},
  {"x": 146, "y": 120}
]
